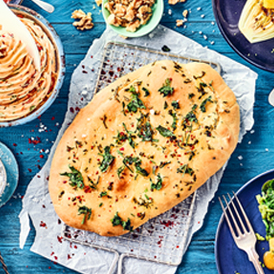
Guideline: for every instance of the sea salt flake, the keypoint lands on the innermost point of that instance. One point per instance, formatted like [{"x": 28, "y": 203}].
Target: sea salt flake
[
  {"x": 240, "y": 157},
  {"x": 266, "y": 149},
  {"x": 252, "y": 131}
]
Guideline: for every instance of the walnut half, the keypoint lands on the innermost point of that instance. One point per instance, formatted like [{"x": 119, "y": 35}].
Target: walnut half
[{"x": 85, "y": 22}]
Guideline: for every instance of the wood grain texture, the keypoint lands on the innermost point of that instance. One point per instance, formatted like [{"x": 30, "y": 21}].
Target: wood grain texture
[{"x": 255, "y": 158}]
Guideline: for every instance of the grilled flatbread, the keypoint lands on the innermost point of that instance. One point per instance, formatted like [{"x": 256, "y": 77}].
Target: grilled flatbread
[{"x": 142, "y": 145}]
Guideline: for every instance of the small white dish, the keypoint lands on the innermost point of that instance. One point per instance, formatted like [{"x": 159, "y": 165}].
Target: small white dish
[
  {"x": 271, "y": 97},
  {"x": 3, "y": 178}
]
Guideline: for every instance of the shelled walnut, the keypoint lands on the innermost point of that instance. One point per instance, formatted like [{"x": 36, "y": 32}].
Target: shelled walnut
[
  {"x": 130, "y": 14},
  {"x": 85, "y": 22}
]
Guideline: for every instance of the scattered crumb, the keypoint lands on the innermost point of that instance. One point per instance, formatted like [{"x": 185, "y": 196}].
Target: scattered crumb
[
  {"x": 179, "y": 22},
  {"x": 122, "y": 36},
  {"x": 173, "y": 2},
  {"x": 185, "y": 13},
  {"x": 85, "y": 22}
]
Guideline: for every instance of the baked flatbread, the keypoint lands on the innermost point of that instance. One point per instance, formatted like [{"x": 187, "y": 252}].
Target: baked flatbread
[{"x": 142, "y": 145}]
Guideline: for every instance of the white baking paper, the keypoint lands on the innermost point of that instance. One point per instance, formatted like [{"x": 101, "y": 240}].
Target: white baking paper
[{"x": 37, "y": 204}]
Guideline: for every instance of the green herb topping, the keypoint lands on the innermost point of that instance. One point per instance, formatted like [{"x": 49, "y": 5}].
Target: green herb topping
[
  {"x": 202, "y": 106},
  {"x": 191, "y": 117},
  {"x": 103, "y": 193},
  {"x": 107, "y": 159},
  {"x": 135, "y": 102},
  {"x": 164, "y": 131},
  {"x": 86, "y": 211},
  {"x": 175, "y": 119},
  {"x": 144, "y": 128},
  {"x": 146, "y": 91},
  {"x": 75, "y": 176},
  {"x": 137, "y": 163},
  {"x": 121, "y": 137},
  {"x": 166, "y": 89},
  {"x": 130, "y": 136},
  {"x": 159, "y": 183},
  {"x": 175, "y": 105},
  {"x": 185, "y": 170},
  {"x": 118, "y": 221}
]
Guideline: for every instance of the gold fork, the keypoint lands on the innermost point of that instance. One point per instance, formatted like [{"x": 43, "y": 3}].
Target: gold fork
[{"x": 244, "y": 237}]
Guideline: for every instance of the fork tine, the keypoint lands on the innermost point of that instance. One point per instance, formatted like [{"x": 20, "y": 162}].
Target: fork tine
[
  {"x": 244, "y": 214},
  {"x": 232, "y": 216},
  {"x": 236, "y": 211},
  {"x": 227, "y": 220}
]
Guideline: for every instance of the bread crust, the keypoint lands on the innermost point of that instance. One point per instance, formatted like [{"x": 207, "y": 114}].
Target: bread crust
[{"x": 203, "y": 138}]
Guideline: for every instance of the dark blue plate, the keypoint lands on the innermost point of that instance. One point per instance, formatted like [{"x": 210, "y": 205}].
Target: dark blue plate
[
  {"x": 228, "y": 257},
  {"x": 227, "y": 14}
]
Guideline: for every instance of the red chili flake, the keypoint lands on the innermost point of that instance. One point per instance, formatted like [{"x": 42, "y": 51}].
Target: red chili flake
[
  {"x": 60, "y": 238},
  {"x": 42, "y": 156},
  {"x": 49, "y": 267},
  {"x": 35, "y": 142},
  {"x": 77, "y": 109},
  {"x": 71, "y": 109},
  {"x": 167, "y": 223},
  {"x": 52, "y": 253},
  {"x": 29, "y": 170},
  {"x": 55, "y": 257},
  {"x": 59, "y": 222},
  {"x": 69, "y": 257},
  {"x": 122, "y": 149},
  {"x": 52, "y": 118},
  {"x": 15, "y": 145},
  {"x": 43, "y": 206},
  {"x": 75, "y": 246},
  {"x": 42, "y": 224},
  {"x": 177, "y": 246}
]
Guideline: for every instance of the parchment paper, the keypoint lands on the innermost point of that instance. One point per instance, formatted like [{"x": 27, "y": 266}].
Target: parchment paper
[{"x": 37, "y": 204}]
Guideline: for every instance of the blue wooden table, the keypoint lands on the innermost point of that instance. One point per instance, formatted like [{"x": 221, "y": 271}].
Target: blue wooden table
[{"x": 252, "y": 157}]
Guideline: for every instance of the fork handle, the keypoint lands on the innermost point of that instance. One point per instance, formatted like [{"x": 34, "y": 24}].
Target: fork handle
[{"x": 254, "y": 258}]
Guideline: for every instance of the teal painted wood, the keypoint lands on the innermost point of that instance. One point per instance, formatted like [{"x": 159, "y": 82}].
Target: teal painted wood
[{"x": 256, "y": 149}]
